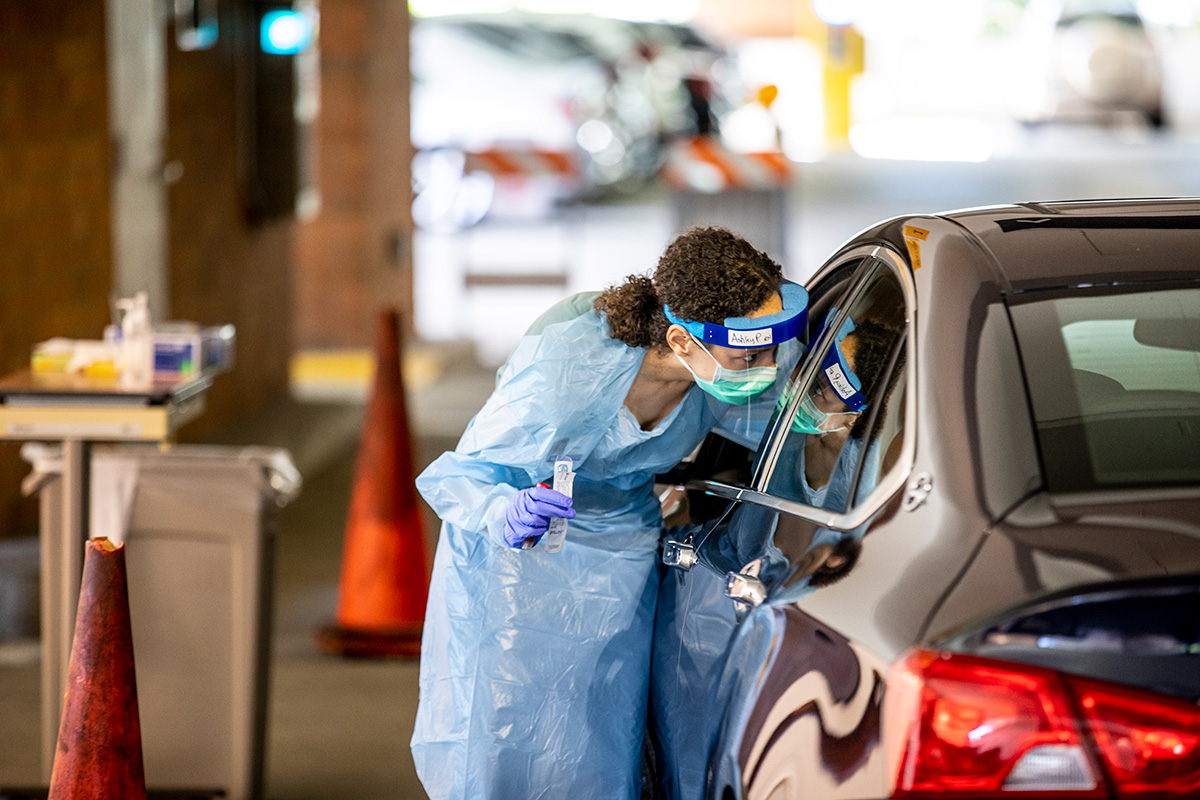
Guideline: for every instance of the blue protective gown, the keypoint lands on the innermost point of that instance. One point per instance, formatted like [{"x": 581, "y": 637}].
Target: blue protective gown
[{"x": 535, "y": 666}]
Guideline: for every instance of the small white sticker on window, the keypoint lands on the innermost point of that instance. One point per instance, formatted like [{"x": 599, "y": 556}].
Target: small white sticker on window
[{"x": 759, "y": 338}]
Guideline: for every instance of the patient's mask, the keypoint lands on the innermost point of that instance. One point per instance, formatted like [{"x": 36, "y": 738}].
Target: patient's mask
[
  {"x": 811, "y": 419},
  {"x": 735, "y": 386}
]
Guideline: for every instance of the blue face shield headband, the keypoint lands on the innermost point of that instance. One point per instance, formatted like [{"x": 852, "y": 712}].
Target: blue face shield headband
[
  {"x": 837, "y": 372},
  {"x": 751, "y": 332}
]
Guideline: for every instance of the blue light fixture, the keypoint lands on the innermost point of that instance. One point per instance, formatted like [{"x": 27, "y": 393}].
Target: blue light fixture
[{"x": 286, "y": 32}]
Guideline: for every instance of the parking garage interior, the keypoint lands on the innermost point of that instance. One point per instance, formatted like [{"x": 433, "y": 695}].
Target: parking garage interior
[{"x": 295, "y": 195}]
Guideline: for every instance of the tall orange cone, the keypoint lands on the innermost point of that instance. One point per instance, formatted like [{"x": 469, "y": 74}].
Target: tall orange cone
[
  {"x": 99, "y": 750},
  {"x": 385, "y": 577}
]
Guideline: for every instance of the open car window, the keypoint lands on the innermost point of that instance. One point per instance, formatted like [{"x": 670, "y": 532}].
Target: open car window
[
  {"x": 824, "y": 294},
  {"x": 840, "y": 419}
]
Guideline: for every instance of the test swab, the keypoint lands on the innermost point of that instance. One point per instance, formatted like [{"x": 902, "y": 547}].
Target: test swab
[{"x": 564, "y": 481}]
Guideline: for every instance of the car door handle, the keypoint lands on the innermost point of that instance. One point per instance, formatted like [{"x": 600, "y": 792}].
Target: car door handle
[
  {"x": 744, "y": 588},
  {"x": 680, "y": 555},
  {"x": 918, "y": 490}
]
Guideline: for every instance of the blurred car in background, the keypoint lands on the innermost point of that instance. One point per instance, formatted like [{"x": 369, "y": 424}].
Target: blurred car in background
[
  {"x": 539, "y": 91},
  {"x": 964, "y": 560},
  {"x": 1089, "y": 61}
]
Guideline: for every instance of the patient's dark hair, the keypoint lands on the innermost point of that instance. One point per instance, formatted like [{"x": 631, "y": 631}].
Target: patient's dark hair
[
  {"x": 873, "y": 346},
  {"x": 704, "y": 275}
]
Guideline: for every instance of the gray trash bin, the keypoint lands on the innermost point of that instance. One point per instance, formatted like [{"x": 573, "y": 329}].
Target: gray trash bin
[
  {"x": 199, "y": 526},
  {"x": 18, "y": 588}
]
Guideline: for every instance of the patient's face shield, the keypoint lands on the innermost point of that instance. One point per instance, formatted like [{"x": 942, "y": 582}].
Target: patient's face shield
[
  {"x": 834, "y": 399},
  {"x": 754, "y": 332},
  {"x": 837, "y": 373}
]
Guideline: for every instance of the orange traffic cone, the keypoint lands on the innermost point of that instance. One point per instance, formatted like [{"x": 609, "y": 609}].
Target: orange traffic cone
[
  {"x": 99, "y": 751},
  {"x": 385, "y": 578}
]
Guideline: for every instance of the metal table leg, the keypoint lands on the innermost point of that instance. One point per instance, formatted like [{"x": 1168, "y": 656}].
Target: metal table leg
[{"x": 62, "y": 571}]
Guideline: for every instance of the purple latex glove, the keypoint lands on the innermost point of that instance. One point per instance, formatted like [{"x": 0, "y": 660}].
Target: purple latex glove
[{"x": 529, "y": 515}]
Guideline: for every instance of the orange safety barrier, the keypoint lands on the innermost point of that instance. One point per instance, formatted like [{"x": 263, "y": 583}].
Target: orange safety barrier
[
  {"x": 99, "y": 751},
  {"x": 385, "y": 575},
  {"x": 523, "y": 162},
  {"x": 703, "y": 164}
]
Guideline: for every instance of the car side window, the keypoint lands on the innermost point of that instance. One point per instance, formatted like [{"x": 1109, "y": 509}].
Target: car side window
[{"x": 845, "y": 421}]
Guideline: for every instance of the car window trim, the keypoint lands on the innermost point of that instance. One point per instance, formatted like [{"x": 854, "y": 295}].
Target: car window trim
[
  {"x": 895, "y": 480},
  {"x": 729, "y": 491},
  {"x": 873, "y": 417},
  {"x": 1119, "y": 496}
]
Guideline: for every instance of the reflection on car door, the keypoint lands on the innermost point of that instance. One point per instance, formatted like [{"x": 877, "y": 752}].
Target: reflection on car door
[{"x": 839, "y": 429}]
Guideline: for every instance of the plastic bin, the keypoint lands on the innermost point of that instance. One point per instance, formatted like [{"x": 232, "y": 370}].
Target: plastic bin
[
  {"x": 199, "y": 524},
  {"x": 18, "y": 588}
]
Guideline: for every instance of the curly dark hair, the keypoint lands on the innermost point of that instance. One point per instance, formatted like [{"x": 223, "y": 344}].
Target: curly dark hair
[
  {"x": 874, "y": 343},
  {"x": 704, "y": 275}
]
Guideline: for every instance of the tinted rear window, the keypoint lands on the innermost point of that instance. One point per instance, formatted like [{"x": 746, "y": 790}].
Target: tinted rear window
[{"x": 1114, "y": 379}]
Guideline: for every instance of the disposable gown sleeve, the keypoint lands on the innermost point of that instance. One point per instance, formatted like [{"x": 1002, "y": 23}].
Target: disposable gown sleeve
[
  {"x": 469, "y": 493},
  {"x": 554, "y": 397}
]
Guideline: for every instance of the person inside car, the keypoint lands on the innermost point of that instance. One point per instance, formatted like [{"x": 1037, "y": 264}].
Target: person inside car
[{"x": 831, "y": 415}]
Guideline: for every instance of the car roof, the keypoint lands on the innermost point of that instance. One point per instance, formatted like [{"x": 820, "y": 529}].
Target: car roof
[{"x": 1072, "y": 243}]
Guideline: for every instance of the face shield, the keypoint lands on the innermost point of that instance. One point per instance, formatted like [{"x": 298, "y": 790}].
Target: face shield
[
  {"x": 835, "y": 399},
  {"x": 740, "y": 386},
  {"x": 747, "y": 333}
]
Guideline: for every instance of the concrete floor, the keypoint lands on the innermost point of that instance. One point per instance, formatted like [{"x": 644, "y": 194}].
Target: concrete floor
[{"x": 340, "y": 729}]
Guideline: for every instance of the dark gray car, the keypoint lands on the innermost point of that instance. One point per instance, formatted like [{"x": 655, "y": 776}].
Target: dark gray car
[{"x": 965, "y": 559}]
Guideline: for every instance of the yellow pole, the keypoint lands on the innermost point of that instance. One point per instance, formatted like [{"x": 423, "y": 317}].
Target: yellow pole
[
  {"x": 843, "y": 61},
  {"x": 841, "y": 49}
]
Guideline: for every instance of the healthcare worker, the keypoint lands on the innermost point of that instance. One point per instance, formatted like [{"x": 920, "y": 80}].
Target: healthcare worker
[{"x": 535, "y": 665}]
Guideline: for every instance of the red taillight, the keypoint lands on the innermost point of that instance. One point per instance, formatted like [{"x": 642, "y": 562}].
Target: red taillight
[
  {"x": 964, "y": 726},
  {"x": 1150, "y": 744},
  {"x": 972, "y": 723}
]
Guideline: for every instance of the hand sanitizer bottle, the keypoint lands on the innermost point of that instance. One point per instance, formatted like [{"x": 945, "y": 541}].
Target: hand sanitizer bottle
[{"x": 137, "y": 342}]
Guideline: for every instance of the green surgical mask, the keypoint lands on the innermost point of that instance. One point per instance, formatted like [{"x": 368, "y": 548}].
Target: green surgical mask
[
  {"x": 810, "y": 419},
  {"x": 734, "y": 386}
]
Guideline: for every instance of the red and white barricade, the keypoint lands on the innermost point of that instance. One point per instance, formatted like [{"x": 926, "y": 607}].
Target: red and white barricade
[
  {"x": 523, "y": 162},
  {"x": 703, "y": 164}
]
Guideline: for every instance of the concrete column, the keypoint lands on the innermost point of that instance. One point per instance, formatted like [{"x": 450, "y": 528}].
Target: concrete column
[
  {"x": 355, "y": 252},
  {"x": 137, "y": 124}
]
